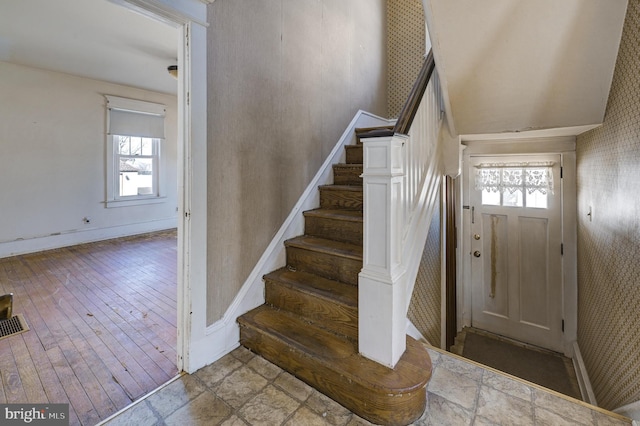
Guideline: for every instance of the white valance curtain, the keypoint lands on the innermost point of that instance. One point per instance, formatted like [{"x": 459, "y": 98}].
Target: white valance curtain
[{"x": 512, "y": 177}]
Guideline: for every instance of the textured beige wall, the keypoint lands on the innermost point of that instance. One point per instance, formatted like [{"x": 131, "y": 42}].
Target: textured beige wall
[
  {"x": 425, "y": 307},
  {"x": 285, "y": 79},
  {"x": 609, "y": 244},
  {"x": 406, "y": 44}
]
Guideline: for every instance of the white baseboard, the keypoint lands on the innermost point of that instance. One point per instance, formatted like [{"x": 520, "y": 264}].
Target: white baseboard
[
  {"x": 630, "y": 410},
  {"x": 81, "y": 236},
  {"x": 583, "y": 377},
  {"x": 413, "y": 331},
  {"x": 224, "y": 335}
]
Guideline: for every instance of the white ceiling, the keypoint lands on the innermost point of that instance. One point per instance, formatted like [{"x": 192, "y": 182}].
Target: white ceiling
[
  {"x": 89, "y": 38},
  {"x": 517, "y": 66}
]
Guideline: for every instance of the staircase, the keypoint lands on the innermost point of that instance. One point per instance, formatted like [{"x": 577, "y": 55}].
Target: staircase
[{"x": 309, "y": 323}]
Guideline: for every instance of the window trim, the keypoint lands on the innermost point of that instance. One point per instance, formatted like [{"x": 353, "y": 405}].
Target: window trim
[{"x": 112, "y": 197}]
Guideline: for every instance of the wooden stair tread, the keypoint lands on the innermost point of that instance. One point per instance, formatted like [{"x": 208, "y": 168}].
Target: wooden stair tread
[
  {"x": 332, "y": 290},
  {"x": 323, "y": 245},
  {"x": 340, "y": 355},
  {"x": 337, "y": 214},
  {"x": 348, "y": 166},
  {"x": 354, "y": 188}
]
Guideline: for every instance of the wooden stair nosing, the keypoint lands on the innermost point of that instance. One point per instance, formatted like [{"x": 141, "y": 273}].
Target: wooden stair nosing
[
  {"x": 329, "y": 304},
  {"x": 326, "y": 246},
  {"x": 332, "y": 365},
  {"x": 348, "y": 188},
  {"x": 347, "y": 174},
  {"x": 347, "y": 166},
  {"x": 330, "y": 290},
  {"x": 336, "y": 214},
  {"x": 347, "y": 197},
  {"x": 336, "y": 224}
]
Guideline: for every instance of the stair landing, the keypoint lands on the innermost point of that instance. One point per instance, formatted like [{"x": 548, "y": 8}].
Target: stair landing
[{"x": 332, "y": 365}]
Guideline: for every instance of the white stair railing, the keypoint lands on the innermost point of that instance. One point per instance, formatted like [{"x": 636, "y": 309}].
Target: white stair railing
[{"x": 401, "y": 177}]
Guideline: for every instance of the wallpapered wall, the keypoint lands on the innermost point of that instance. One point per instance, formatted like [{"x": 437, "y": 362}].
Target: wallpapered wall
[
  {"x": 406, "y": 45},
  {"x": 424, "y": 309},
  {"x": 285, "y": 78},
  {"x": 406, "y": 49},
  {"x": 609, "y": 244}
]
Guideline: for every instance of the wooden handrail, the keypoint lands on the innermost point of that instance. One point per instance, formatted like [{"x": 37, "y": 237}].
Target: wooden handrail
[
  {"x": 408, "y": 113},
  {"x": 415, "y": 96}
]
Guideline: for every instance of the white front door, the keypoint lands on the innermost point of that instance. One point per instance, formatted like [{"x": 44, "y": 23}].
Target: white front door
[{"x": 516, "y": 238}]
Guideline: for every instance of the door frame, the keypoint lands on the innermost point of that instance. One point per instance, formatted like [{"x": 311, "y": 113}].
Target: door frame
[
  {"x": 189, "y": 17},
  {"x": 565, "y": 147}
]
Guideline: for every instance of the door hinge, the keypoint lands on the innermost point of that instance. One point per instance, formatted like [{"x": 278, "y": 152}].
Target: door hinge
[
  {"x": 561, "y": 170},
  {"x": 563, "y": 326},
  {"x": 561, "y": 249}
]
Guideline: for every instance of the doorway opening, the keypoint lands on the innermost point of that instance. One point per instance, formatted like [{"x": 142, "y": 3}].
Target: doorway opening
[
  {"x": 515, "y": 281},
  {"x": 58, "y": 91}
]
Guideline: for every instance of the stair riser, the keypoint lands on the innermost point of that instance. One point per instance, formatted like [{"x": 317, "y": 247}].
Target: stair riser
[
  {"x": 336, "y": 199},
  {"x": 375, "y": 405},
  {"x": 339, "y": 230},
  {"x": 326, "y": 265},
  {"x": 354, "y": 154},
  {"x": 325, "y": 313},
  {"x": 347, "y": 175}
]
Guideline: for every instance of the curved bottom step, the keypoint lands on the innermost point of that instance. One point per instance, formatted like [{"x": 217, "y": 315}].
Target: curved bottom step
[{"x": 332, "y": 365}]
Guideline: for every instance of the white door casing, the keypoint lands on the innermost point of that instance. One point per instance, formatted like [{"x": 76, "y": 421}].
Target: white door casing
[
  {"x": 189, "y": 16},
  {"x": 516, "y": 261}
]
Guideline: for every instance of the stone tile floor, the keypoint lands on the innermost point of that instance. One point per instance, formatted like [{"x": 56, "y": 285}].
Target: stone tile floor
[{"x": 244, "y": 389}]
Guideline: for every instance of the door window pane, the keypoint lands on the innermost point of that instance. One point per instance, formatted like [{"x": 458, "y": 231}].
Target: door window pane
[
  {"x": 512, "y": 199},
  {"x": 490, "y": 198},
  {"x": 514, "y": 184},
  {"x": 536, "y": 199}
]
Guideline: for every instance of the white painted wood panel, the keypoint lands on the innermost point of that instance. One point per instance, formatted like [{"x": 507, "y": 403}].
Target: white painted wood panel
[{"x": 516, "y": 264}]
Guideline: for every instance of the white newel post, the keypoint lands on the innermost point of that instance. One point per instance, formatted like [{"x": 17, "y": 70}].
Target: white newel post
[{"x": 381, "y": 287}]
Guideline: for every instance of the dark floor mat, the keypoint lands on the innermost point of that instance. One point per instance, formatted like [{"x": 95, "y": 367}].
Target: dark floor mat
[{"x": 551, "y": 371}]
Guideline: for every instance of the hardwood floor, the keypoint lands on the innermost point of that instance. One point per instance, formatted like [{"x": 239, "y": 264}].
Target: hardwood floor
[{"x": 102, "y": 319}]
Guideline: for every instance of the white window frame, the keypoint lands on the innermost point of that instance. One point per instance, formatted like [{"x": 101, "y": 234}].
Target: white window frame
[{"x": 113, "y": 198}]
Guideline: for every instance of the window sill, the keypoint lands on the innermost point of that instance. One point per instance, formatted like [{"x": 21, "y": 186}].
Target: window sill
[{"x": 134, "y": 202}]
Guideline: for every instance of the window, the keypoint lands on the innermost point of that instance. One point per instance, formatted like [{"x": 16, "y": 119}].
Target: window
[
  {"x": 515, "y": 184},
  {"x": 137, "y": 158},
  {"x": 134, "y": 140}
]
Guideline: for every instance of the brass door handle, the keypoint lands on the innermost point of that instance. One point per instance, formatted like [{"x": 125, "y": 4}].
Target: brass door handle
[{"x": 476, "y": 253}]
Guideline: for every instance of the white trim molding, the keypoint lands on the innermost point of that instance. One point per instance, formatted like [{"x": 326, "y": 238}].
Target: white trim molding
[
  {"x": 565, "y": 147},
  {"x": 80, "y": 236},
  {"x": 630, "y": 410},
  {"x": 190, "y": 17},
  {"x": 413, "y": 331},
  {"x": 583, "y": 377},
  {"x": 172, "y": 12}
]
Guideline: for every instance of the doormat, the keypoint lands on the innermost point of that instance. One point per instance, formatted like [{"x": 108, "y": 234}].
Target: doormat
[
  {"x": 547, "y": 369},
  {"x": 12, "y": 326}
]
